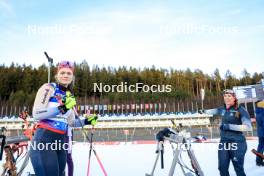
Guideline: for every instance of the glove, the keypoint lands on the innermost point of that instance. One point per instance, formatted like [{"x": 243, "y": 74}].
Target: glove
[
  {"x": 68, "y": 103},
  {"x": 91, "y": 120},
  {"x": 224, "y": 127}
]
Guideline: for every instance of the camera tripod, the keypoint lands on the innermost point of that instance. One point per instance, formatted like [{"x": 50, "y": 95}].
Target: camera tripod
[{"x": 179, "y": 139}]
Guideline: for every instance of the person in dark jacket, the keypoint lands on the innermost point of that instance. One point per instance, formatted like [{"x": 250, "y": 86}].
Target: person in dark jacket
[
  {"x": 260, "y": 131},
  {"x": 232, "y": 147}
]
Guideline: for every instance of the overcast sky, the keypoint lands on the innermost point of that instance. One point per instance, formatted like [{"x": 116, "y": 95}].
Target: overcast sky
[{"x": 195, "y": 34}]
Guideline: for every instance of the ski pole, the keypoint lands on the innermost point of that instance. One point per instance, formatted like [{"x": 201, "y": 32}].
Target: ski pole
[
  {"x": 100, "y": 163},
  {"x": 91, "y": 148},
  {"x": 90, "y": 153},
  {"x": 50, "y": 60},
  {"x": 97, "y": 157}
]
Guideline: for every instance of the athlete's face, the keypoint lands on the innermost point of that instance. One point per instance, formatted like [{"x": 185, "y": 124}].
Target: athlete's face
[
  {"x": 229, "y": 99},
  {"x": 65, "y": 76}
]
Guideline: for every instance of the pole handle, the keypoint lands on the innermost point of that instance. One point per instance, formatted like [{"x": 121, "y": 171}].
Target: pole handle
[{"x": 50, "y": 60}]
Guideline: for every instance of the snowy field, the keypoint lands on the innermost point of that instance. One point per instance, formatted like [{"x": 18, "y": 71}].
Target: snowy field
[{"x": 138, "y": 159}]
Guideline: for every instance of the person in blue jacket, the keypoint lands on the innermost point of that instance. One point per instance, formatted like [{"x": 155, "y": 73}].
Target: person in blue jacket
[
  {"x": 234, "y": 121},
  {"x": 54, "y": 112},
  {"x": 260, "y": 131}
]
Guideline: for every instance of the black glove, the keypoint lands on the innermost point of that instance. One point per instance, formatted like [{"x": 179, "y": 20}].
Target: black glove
[{"x": 224, "y": 127}]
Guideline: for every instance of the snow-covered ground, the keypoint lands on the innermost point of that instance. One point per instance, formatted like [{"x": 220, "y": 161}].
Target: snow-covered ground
[{"x": 137, "y": 159}]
